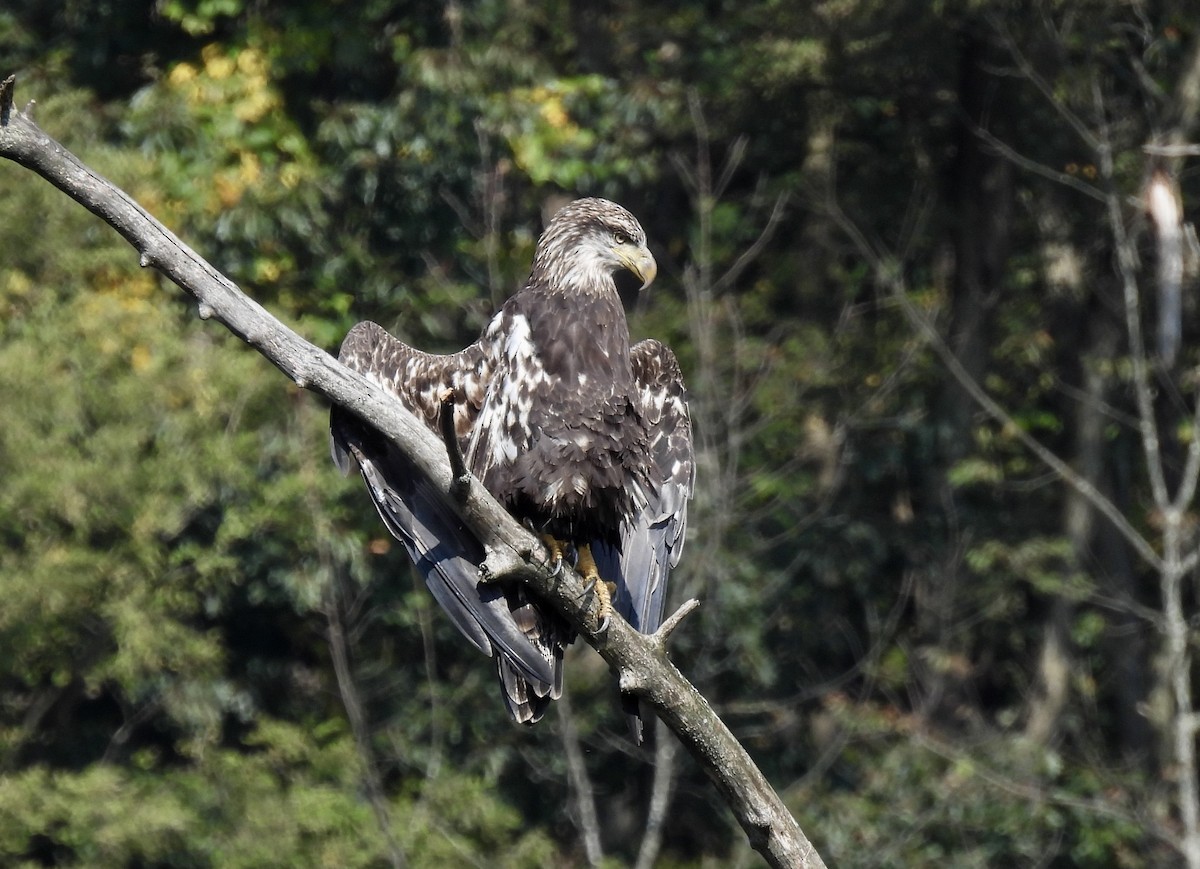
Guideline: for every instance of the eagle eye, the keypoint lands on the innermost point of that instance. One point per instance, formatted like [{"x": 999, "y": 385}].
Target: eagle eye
[{"x": 620, "y": 238}]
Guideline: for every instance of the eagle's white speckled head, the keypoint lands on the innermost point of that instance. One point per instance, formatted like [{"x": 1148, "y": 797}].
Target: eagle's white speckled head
[{"x": 586, "y": 242}]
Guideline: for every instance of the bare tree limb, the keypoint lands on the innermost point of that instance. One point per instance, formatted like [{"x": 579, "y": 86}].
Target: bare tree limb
[
  {"x": 1183, "y": 111},
  {"x": 1126, "y": 260},
  {"x": 581, "y": 782},
  {"x": 660, "y": 798},
  {"x": 355, "y": 711},
  {"x": 1011, "y": 154},
  {"x": 1076, "y": 123},
  {"x": 512, "y": 551},
  {"x": 751, "y": 253}
]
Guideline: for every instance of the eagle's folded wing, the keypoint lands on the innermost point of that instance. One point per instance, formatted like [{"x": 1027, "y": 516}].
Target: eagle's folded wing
[{"x": 652, "y": 541}]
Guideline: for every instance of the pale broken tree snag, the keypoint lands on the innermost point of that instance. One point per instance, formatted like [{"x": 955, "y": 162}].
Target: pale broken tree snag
[{"x": 513, "y": 553}]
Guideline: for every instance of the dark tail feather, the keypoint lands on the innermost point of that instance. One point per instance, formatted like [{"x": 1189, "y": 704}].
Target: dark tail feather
[
  {"x": 635, "y": 717},
  {"x": 528, "y": 699}
]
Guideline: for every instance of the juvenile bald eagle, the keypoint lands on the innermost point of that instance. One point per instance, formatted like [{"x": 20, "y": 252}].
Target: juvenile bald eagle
[{"x": 575, "y": 432}]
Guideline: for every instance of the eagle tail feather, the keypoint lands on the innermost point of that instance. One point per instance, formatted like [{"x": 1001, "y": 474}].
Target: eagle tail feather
[{"x": 526, "y": 701}]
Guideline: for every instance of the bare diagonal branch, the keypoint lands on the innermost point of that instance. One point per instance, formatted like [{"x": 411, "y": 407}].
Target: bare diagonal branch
[{"x": 1015, "y": 157}]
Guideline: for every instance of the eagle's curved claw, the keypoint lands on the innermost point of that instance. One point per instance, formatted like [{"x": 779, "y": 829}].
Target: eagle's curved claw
[
  {"x": 556, "y": 548},
  {"x": 601, "y": 589},
  {"x": 604, "y": 590}
]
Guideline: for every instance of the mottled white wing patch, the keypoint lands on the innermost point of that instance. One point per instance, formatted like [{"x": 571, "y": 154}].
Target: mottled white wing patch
[
  {"x": 503, "y": 431},
  {"x": 418, "y": 379}
]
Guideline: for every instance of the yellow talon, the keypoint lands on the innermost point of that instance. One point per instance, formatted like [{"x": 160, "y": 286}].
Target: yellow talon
[
  {"x": 556, "y": 547},
  {"x": 604, "y": 590}
]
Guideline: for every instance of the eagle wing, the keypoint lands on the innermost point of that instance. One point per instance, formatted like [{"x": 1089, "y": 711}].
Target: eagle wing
[
  {"x": 496, "y": 619},
  {"x": 652, "y": 540}
]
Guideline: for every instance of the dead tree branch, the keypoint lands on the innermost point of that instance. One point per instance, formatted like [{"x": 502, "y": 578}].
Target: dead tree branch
[
  {"x": 512, "y": 551},
  {"x": 352, "y": 702},
  {"x": 581, "y": 783}
]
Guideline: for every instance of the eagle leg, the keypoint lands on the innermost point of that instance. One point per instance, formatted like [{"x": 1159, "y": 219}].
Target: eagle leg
[{"x": 604, "y": 590}]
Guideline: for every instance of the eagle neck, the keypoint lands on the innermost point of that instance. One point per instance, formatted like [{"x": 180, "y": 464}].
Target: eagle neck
[
  {"x": 579, "y": 332},
  {"x": 577, "y": 277}
]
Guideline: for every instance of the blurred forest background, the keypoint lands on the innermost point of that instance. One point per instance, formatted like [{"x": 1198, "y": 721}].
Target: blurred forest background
[{"x": 901, "y": 245}]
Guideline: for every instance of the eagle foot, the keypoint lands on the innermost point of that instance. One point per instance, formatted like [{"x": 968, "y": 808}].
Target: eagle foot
[
  {"x": 604, "y": 590},
  {"x": 557, "y": 548}
]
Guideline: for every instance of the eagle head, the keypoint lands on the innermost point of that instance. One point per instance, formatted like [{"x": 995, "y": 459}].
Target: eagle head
[{"x": 587, "y": 241}]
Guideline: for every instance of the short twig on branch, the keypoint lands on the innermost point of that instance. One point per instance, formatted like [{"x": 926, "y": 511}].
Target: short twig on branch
[
  {"x": 673, "y": 621},
  {"x": 635, "y": 657},
  {"x": 460, "y": 477}
]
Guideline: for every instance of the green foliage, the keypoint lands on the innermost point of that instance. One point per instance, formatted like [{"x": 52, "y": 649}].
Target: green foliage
[
  {"x": 200, "y": 18},
  {"x": 581, "y": 133},
  {"x": 291, "y": 802},
  {"x": 892, "y": 803}
]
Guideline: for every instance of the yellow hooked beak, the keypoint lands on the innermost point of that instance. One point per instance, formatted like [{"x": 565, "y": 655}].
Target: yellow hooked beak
[{"x": 638, "y": 260}]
